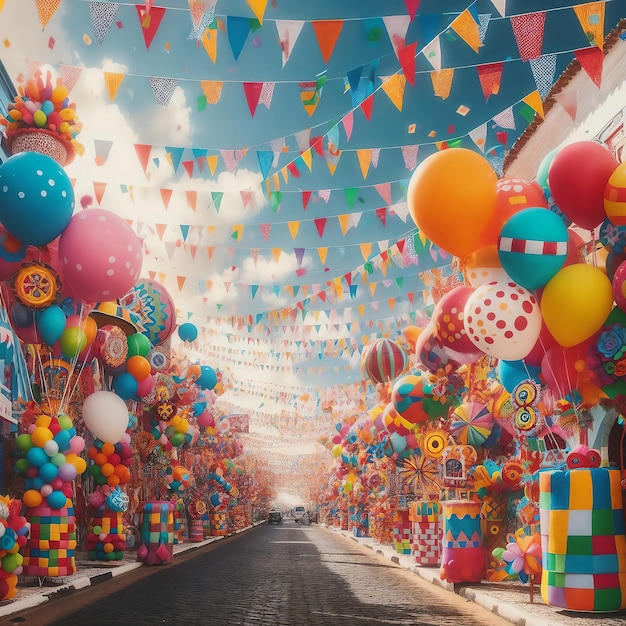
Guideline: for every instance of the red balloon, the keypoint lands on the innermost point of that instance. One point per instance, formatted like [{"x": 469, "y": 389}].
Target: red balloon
[
  {"x": 563, "y": 369},
  {"x": 448, "y": 320},
  {"x": 431, "y": 352},
  {"x": 577, "y": 178},
  {"x": 512, "y": 195},
  {"x": 542, "y": 345},
  {"x": 383, "y": 361}
]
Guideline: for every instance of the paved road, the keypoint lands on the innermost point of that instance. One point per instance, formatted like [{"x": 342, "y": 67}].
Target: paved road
[{"x": 284, "y": 574}]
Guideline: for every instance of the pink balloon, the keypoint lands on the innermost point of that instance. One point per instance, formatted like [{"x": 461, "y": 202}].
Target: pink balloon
[
  {"x": 431, "y": 352},
  {"x": 100, "y": 255},
  {"x": 563, "y": 369},
  {"x": 77, "y": 444},
  {"x": 577, "y": 178},
  {"x": 619, "y": 286},
  {"x": 145, "y": 386},
  {"x": 206, "y": 419}
]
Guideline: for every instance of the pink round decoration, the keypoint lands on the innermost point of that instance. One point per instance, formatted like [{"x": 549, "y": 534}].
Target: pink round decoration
[
  {"x": 503, "y": 320},
  {"x": 100, "y": 255},
  {"x": 619, "y": 286}
]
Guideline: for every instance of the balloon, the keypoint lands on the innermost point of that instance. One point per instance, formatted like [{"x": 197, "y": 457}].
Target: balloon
[
  {"x": 36, "y": 198},
  {"x": 188, "y": 332},
  {"x": 448, "y": 320},
  {"x": 512, "y": 196},
  {"x": 73, "y": 341},
  {"x": 383, "y": 360},
  {"x": 430, "y": 350},
  {"x": 125, "y": 386},
  {"x": 406, "y": 397},
  {"x": 483, "y": 266},
  {"x": 511, "y": 373},
  {"x": 543, "y": 343},
  {"x": 138, "y": 345},
  {"x": 576, "y": 302},
  {"x": 138, "y": 367},
  {"x": 533, "y": 247},
  {"x": 614, "y": 202},
  {"x": 208, "y": 378},
  {"x": 51, "y": 324},
  {"x": 145, "y": 386},
  {"x": 452, "y": 197},
  {"x": 106, "y": 416},
  {"x": 564, "y": 369},
  {"x": 577, "y": 178},
  {"x": 154, "y": 305},
  {"x": 544, "y": 168},
  {"x": 618, "y": 285},
  {"x": 100, "y": 255},
  {"x": 503, "y": 320}
]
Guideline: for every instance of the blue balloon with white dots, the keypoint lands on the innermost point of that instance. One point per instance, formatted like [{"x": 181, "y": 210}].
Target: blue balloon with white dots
[{"x": 36, "y": 198}]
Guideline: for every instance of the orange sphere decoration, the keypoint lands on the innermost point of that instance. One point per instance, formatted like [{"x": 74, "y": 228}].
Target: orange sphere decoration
[
  {"x": 107, "y": 449},
  {"x": 452, "y": 198},
  {"x": 615, "y": 196},
  {"x": 138, "y": 367}
]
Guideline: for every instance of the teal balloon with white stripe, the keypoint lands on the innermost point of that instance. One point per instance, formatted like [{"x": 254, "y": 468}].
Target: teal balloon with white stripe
[{"x": 532, "y": 247}]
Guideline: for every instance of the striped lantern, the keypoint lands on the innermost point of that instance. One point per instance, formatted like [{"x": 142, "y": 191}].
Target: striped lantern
[{"x": 383, "y": 361}]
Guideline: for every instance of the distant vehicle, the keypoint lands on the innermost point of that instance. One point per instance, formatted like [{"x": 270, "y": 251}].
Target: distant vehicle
[
  {"x": 274, "y": 517},
  {"x": 298, "y": 513}
]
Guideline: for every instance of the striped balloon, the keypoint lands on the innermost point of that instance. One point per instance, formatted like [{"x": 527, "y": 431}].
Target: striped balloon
[{"x": 383, "y": 361}]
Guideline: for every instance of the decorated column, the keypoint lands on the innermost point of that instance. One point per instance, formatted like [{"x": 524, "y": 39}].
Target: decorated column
[
  {"x": 582, "y": 537},
  {"x": 426, "y": 531},
  {"x": 156, "y": 532}
]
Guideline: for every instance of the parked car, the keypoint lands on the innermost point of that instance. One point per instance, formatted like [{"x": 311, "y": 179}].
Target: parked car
[
  {"x": 298, "y": 513},
  {"x": 274, "y": 517}
]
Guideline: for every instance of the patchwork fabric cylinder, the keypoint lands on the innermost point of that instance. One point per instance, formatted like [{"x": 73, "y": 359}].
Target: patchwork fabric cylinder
[
  {"x": 402, "y": 531},
  {"x": 106, "y": 539},
  {"x": 196, "y": 531},
  {"x": 462, "y": 550},
  {"x": 426, "y": 532},
  {"x": 219, "y": 524},
  {"x": 582, "y": 539},
  {"x": 156, "y": 533},
  {"x": 50, "y": 548}
]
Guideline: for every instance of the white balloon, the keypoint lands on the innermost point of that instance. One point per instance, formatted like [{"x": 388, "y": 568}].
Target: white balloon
[
  {"x": 105, "y": 414},
  {"x": 503, "y": 320}
]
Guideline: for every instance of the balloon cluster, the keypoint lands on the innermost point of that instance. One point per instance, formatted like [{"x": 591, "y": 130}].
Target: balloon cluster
[
  {"x": 174, "y": 432},
  {"x": 178, "y": 479},
  {"x": 43, "y": 105},
  {"x": 109, "y": 463},
  {"x": 106, "y": 539},
  {"x": 14, "y": 529},
  {"x": 50, "y": 461}
]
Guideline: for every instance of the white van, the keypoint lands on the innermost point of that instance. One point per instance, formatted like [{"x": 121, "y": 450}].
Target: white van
[{"x": 298, "y": 513}]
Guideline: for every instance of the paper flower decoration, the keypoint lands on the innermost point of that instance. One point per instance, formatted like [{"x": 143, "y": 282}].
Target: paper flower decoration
[{"x": 522, "y": 555}]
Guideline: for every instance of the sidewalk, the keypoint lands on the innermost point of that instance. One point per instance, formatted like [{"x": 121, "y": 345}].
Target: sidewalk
[{"x": 509, "y": 600}]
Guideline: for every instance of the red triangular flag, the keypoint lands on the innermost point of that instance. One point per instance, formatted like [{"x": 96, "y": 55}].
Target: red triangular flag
[
  {"x": 320, "y": 224},
  {"x": 166, "y": 194},
  {"x": 253, "y": 93},
  {"x": 382, "y": 215},
  {"x": 406, "y": 56},
  {"x": 591, "y": 60},
  {"x": 99, "y": 189},
  {"x": 412, "y": 6},
  {"x": 367, "y": 105},
  {"x": 317, "y": 143},
  {"x": 188, "y": 165},
  {"x": 149, "y": 21},
  {"x": 143, "y": 153},
  {"x": 293, "y": 169},
  {"x": 306, "y": 196},
  {"x": 490, "y": 75}
]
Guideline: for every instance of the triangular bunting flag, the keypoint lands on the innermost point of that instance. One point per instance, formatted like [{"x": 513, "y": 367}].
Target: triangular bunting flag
[
  {"x": 143, "y": 154},
  {"x": 528, "y": 29},
  {"x": 327, "y": 33},
  {"x": 293, "y": 228},
  {"x": 238, "y": 29},
  {"x": 322, "y": 252},
  {"x": 367, "y": 107},
  {"x": 102, "y": 17},
  {"x": 365, "y": 159},
  {"x": 406, "y": 56},
  {"x": 533, "y": 100},
  {"x": 166, "y": 195},
  {"x": 320, "y": 224},
  {"x": 149, "y": 20},
  {"x": 216, "y": 198},
  {"x": 288, "y": 33},
  {"x": 412, "y": 6},
  {"x": 543, "y": 70},
  {"x": 112, "y": 81},
  {"x": 163, "y": 89},
  {"x": 490, "y": 76},
  {"x": 397, "y": 26},
  {"x": 442, "y": 82},
  {"x": 258, "y": 8},
  {"x": 591, "y": 60},
  {"x": 479, "y": 136},
  {"x": 212, "y": 89},
  {"x": 432, "y": 53},
  {"x": 591, "y": 18},
  {"x": 99, "y": 189},
  {"x": 253, "y": 93},
  {"x": 175, "y": 154},
  {"x": 209, "y": 41},
  {"x": 46, "y": 9},
  {"x": 466, "y": 27},
  {"x": 344, "y": 220},
  {"x": 394, "y": 87}
]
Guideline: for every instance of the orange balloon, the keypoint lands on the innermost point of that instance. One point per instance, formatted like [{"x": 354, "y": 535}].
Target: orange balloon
[
  {"x": 411, "y": 333},
  {"x": 91, "y": 328},
  {"x": 138, "y": 367},
  {"x": 452, "y": 197}
]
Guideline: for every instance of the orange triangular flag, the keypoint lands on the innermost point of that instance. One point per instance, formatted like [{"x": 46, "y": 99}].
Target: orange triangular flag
[
  {"x": 366, "y": 250},
  {"x": 99, "y": 189},
  {"x": 344, "y": 221},
  {"x": 143, "y": 153},
  {"x": 533, "y": 100},
  {"x": 442, "y": 82},
  {"x": 466, "y": 27},
  {"x": 192, "y": 199},
  {"x": 212, "y": 90},
  {"x": 365, "y": 160},
  {"x": 322, "y": 252},
  {"x": 591, "y": 18},
  {"x": 327, "y": 33},
  {"x": 181, "y": 281},
  {"x": 160, "y": 228},
  {"x": 276, "y": 252},
  {"x": 166, "y": 194},
  {"x": 46, "y": 9},
  {"x": 113, "y": 81},
  {"x": 394, "y": 87}
]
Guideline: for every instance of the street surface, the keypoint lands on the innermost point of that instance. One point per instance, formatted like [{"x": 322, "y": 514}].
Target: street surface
[{"x": 287, "y": 574}]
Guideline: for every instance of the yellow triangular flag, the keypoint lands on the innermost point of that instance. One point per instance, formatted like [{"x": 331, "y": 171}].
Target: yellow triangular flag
[
  {"x": 258, "y": 8},
  {"x": 442, "y": 82},
  {"x": 276, "y": 181},
  {"x": 113, "y": 81},
  {"x": 307, "y": 157},
  {"x": 212, "y": 161},
  {"x": 361, "y": 309},
  {"x": 322, "y": 252},
  {"x": 394, "y": 88},
  {"x": 591, "y": 18},
  {"x": 373, "y": 288},
  {"x": 392, "y": 303},
  {"x": 209, "y": 41},
  {"x": 366, "y": 250},
  {"x": 285, "y": 175},
  {"x": 466, "y": 27},
  {"x": 212, "y": 90},
  {"x": 293, "y": 228},
  {"x": 343, "y": 222},
  {"x": 276, "y": 252},
  {"x": 533, "y": 100},
  {"x": 237, "y": 231},
  {"x": 365, "y": 159}
]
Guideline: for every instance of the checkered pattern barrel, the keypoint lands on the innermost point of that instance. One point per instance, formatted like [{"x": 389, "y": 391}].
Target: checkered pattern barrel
[
  {"x": 50, "y": 548},
  {"x": 402, "y": 531},
  {"x": 156, "y": 532},
  {"x": 106, "y": 538},
  {"x": 463, "y": 553},
  {"x": 582, "y": 538},
  {"x": 426, "y": 531}
]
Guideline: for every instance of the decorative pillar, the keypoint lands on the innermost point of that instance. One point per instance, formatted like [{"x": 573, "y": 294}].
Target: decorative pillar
[
  {"x": 402, "y": 531},
  {"x": 582, "y": 538},
  {"x": 426, "y": 532},
  {"x": 156, "y": 532},
  {"x": 463, "y": 553}
]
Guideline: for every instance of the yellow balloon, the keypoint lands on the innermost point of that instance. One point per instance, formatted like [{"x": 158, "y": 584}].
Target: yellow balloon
[
  {"x": 337, "y": 450},
  {"x": 576, "y": 302}
]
